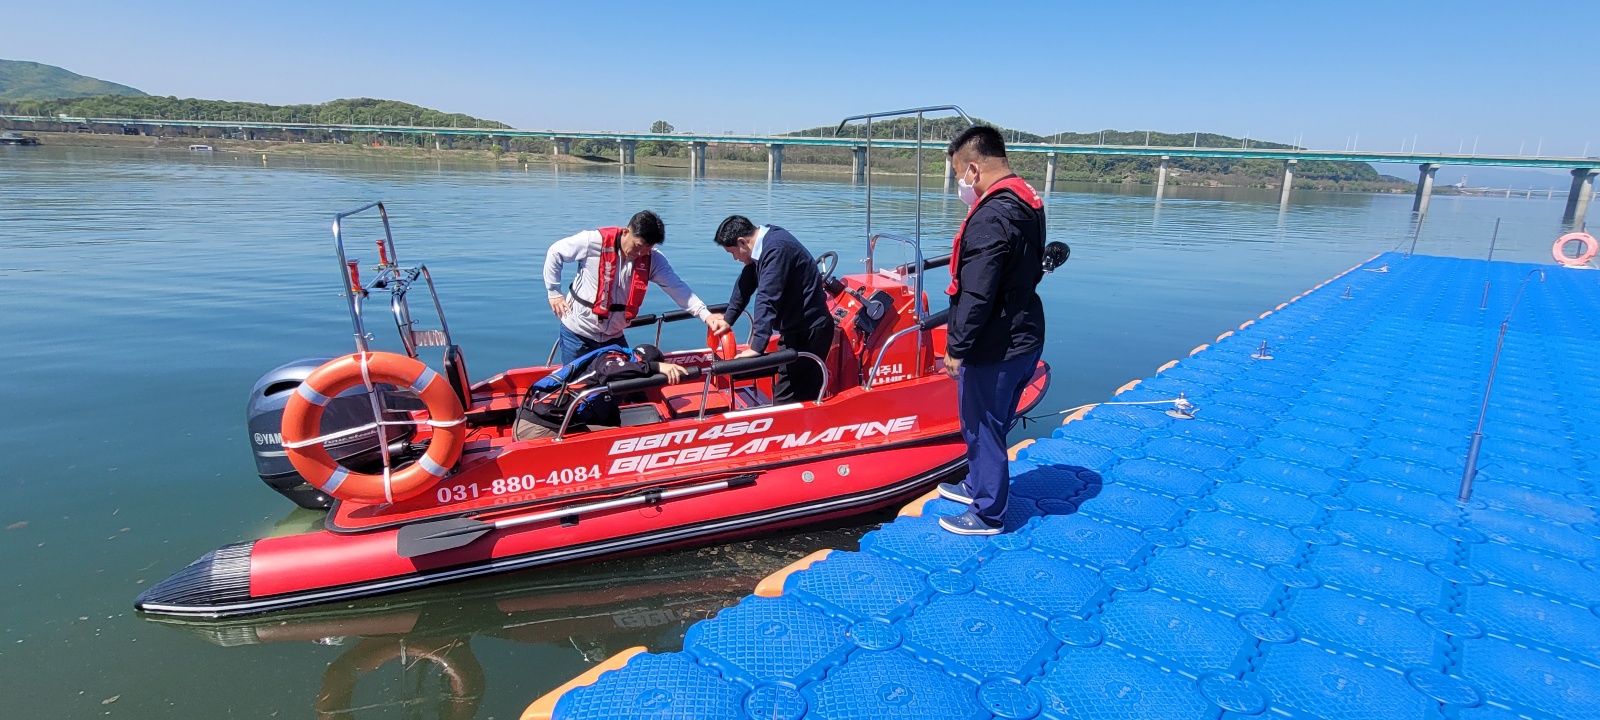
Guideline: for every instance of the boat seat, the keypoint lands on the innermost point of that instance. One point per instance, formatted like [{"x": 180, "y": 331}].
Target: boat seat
[
  {"x": 687, "y": 404},
  {"x": 641, "y": 414}
]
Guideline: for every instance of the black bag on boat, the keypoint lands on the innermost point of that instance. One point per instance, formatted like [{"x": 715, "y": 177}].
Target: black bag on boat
[{"x": 547, "y": 401}]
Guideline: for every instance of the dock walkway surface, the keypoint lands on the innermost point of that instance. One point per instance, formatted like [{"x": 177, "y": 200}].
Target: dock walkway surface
[{"x": 1296, "y": 550}]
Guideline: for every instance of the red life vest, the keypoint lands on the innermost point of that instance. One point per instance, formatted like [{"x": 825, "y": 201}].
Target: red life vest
[
  {"x": 1018, "y": 187},
  {"x": 610, "y": 260}
]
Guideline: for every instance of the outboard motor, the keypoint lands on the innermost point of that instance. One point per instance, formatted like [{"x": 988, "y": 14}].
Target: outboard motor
[{"x": 350, "y": 409}]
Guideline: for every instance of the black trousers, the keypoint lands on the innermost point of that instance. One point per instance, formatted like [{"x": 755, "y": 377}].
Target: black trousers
[{"x": 802, "y": 379}]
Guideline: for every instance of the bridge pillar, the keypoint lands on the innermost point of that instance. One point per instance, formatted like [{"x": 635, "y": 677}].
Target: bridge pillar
[
  {"x": 436, "y": 142},
  {"x": 1578, "y": 197},
  {"x": 858, "y": 163},
  {"x": 949, "y": 173},
  {"x": 1424, "y": 187},
  {"x": 625, "y": 150},
  {"x": 774, "y": 162},
  {"x": 560, "y": 146},
  {"x": 1161, "y": 177},
  {"x": 697, "y": 159},
  {"x": 1050, "y": 173},
  {"x": 1288, "y": 181}
]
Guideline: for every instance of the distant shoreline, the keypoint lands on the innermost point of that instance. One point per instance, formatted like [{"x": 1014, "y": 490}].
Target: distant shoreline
[
  {"x": 482, "y": 157},
  {"x": 486, "y": 158}
]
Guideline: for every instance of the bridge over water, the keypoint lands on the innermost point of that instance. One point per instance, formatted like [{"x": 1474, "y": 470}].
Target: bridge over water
[{"x": 1583, "y": 169}]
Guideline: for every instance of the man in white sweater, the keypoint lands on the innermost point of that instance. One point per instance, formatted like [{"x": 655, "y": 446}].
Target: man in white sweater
[{"x": 614, "y": 267}]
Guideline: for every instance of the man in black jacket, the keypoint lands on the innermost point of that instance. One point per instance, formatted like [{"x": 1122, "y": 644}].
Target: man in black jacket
[
  {"x": 782, "y": 277},
  {"x": 996, "y": 330}
]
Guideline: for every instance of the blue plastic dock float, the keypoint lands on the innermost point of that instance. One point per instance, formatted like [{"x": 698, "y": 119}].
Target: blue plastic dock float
[{"x": 1296, "y": 550}]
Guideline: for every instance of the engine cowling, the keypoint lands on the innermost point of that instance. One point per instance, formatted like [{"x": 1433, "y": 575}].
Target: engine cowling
[{"x": 359, "y": 451}]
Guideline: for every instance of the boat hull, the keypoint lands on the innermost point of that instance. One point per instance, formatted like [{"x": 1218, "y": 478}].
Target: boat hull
[
  {"x": 910, "y": 442},
  {"x": 313, "y": 568}
]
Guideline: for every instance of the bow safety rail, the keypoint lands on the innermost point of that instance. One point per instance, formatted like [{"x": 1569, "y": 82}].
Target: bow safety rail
[{"x": 397, "y": 280}]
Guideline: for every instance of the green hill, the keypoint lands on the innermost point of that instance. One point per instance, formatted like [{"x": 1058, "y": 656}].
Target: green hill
[
  {"x": 350, "y": 111},
  {"x": 22, "y": 80}
]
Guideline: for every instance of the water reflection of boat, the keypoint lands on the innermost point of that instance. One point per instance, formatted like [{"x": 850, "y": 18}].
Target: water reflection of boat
[{"x": 428, "y": 635}]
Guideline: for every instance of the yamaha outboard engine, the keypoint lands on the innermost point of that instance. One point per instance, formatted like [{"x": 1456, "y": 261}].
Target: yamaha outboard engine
[{"x": 350, "y": 409}]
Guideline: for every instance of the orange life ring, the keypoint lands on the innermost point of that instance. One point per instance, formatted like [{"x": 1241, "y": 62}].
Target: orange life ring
[
  {"x": 1590, "y": 249},
  {"x": 302, "y": 424},
  {"x": 724, "y": 346}
]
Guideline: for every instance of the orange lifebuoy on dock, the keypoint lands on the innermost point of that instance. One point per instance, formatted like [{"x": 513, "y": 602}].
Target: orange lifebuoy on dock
[
  {"x": 1590, "y": 249},
  {"x": 302, "y": 424}
]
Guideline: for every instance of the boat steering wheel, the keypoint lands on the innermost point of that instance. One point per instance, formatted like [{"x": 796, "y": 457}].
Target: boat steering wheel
[{"x": 832, "y": 260}]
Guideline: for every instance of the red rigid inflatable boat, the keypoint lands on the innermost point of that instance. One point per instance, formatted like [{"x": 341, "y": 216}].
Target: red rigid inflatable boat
[{"x": 708, "y": 457}]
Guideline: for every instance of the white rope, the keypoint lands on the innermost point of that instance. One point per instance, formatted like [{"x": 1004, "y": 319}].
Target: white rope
[
  {"x": 1139, "y": 402},
  {"x": 347, "y": 432},
  {"x": 330, "y": 436},
  {"x": 366, "y": 380}
]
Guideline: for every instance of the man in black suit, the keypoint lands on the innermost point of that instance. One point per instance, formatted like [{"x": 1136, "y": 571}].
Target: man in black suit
[
  {"x": 781, "y": 275},
  {"x": 996, "y": 331}
]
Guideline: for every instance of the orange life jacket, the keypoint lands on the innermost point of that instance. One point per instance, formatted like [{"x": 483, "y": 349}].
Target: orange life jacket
[{"x": 610, "y": 260}]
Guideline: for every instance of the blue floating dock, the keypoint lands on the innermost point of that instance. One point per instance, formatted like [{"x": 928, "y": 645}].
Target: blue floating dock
[{"x": 1296, "y": 550}]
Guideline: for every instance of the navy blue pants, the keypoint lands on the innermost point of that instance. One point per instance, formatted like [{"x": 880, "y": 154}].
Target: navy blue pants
[
  {"x": 988, "y": 397},
  {"x": 574, "y": 346}
]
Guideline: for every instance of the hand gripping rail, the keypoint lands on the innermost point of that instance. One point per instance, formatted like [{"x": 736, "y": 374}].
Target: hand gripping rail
[
  {"x": 925, "y": 324},
  {"x": 651, "y": 319},
  {"x": 720, "y": 368}
]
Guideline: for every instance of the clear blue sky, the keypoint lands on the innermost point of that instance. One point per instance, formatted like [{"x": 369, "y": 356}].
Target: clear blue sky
[{"x": 1503, "y": 74}]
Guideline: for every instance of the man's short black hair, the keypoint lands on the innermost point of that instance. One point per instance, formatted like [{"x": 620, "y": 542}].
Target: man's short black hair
[
  {"x": 733, "y": 228},
  {"x": 647, "y": 226},
  {"x": 981, "y": 139}
]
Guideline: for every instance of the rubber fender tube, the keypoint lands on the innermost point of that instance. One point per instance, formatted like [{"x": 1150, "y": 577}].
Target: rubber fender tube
[{"x": 770, "y": 361}]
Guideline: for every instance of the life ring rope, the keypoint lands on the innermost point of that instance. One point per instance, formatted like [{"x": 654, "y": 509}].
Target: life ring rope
[{"x": 347, "y": 432}]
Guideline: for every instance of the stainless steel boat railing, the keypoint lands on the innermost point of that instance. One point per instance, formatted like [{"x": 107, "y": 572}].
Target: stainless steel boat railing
[{"x": 397, "y": 280}]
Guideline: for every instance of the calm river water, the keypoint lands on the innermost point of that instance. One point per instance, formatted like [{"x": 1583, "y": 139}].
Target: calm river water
[{"x": 141, "y": 294}]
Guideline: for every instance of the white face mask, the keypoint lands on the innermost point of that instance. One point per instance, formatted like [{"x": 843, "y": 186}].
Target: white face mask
[{"x": 966, "y": 191}]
